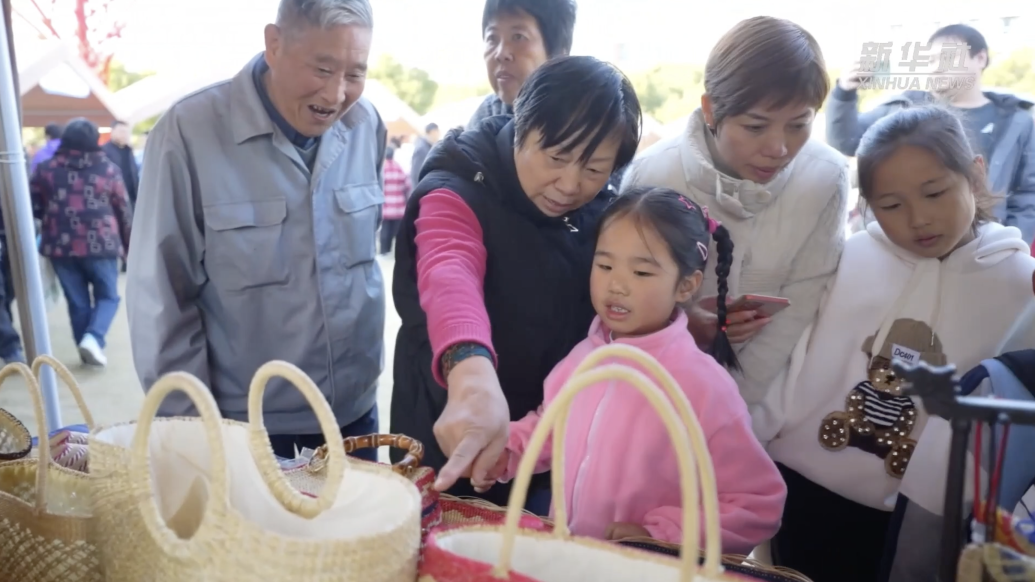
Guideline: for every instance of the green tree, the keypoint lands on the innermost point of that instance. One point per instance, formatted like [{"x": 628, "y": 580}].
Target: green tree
[
  {"x": 669, "y": 91},
  {"x": 414, "y": 86},
  {"x": 1014, "y": 72},
  {"x": 119, "y": 78},
  {"x": 447, "y": 94}
]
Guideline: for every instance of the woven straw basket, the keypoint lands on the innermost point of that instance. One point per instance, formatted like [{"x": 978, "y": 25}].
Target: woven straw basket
[
  {"x": 438, "y": 510},
  {"x": 484, "y": 554},
  {"x": 44, "y": 513},
  {"x": 240, "y": 519},
  {"x": 15, "y": 441}
]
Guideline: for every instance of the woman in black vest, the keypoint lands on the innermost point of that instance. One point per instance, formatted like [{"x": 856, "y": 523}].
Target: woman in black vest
[{"x": 493, "y": 261}]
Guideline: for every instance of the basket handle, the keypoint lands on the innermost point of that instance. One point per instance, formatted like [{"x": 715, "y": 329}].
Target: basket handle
[
  {"x": 262, "y": 450},
  {"x": 68, "y": 379},
  {"x": 44, "y": 461},
  {"x": 698, "y": 442},
  {"x": 413, "y": 447},
  {"x": 140, "y": 461},
  {"x": 556, "y": 416}
]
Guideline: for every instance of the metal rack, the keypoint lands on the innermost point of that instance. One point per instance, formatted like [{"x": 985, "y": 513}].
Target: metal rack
[{"x": 938, "y": 388}]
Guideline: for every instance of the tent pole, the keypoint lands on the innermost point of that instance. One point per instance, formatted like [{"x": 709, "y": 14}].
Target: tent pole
[{"x": 20, "y": 226}]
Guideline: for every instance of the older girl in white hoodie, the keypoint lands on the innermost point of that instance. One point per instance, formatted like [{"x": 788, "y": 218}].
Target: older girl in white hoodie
[{"x": 932, "y": 279}]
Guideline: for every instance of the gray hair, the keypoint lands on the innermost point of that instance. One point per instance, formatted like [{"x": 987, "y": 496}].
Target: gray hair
[{"x": 324, "y": 13}]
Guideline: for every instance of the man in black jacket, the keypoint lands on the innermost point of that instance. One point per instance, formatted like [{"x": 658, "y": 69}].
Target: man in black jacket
[{"x": 119, "y": 151}]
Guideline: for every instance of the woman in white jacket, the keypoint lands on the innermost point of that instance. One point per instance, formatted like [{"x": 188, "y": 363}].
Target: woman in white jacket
[
  {"x": 747, "y": 157},
  {"x": 933, "y": 279}
]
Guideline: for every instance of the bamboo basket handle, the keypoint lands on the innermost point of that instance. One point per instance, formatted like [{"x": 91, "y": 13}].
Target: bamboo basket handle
[
  {"x": 555, "y": 417},
  {"x": 705, "y": 468},
  {"x": 70, "y": 382},
  {"x": 140, "y": 454},
  {"x": 44, "y": 460},
  {"x": 262, "y": 450},
  {"x": 413, "y": 447}
]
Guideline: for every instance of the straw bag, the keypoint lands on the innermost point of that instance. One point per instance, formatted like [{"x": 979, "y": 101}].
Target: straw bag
[
  {"x": 486, "y": 554},
  {"x": 15, "y": 441},
  {"x": 203, "y": 499},
  {"x": 735, "y": 563},
  {"x": 44, "y": 513},
  {"x": 310, "y": 477},
  {"x": 437, "y": 509}
]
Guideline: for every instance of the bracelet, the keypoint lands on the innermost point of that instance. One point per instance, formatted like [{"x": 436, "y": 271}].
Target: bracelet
[{"x": 460, "y": 352}]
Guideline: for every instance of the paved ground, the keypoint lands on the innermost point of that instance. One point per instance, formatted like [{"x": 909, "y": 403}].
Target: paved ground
[{"x": 113, "y": 393}]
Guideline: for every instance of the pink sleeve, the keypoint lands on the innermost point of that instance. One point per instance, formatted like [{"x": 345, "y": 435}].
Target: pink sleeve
[
  {"x": 450, "y": 275},
  {"x": 517, "y": 443},
  {"x": 751, "y": 492}
]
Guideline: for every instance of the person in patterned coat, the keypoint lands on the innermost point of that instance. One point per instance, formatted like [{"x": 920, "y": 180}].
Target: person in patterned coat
[{"x": 80, "y": 198}]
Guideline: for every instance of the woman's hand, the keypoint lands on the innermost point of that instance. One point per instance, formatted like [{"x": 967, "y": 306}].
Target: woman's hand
[
  {"x": 621, "y": 530},
  {"x": 472, "y": 429},
  {"x": 741, "y": 326}
]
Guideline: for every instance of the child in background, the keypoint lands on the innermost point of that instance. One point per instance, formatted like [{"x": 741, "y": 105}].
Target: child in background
[
  {"x": 933, "y": 279},
  {"x": 622, "y": 478}
]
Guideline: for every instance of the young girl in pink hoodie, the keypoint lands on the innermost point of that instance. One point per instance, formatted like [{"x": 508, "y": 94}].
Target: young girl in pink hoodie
[{"x": 621, "y": 475}]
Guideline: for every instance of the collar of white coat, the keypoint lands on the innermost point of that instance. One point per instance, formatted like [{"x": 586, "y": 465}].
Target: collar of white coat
[{"x": 741, "y": 198}]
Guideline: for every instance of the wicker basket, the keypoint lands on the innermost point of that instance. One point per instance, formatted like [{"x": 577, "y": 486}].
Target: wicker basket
[
  {"x": 241, "y": 519},
  {"x": 45, "y": 508},
  {"x": 483, "y": 554},
  {"x": 438, "y": 510},
  {"x": 15, "y": 441}
]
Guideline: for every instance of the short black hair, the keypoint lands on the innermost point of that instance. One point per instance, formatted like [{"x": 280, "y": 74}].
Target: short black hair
[
  {"x": 431, "y": 127},
  {"x": 579, "y": 100},
  {"x": 53, "y": 131},
  {"x": 968, "y": 34},
  {"x": 117, "y": 123},
  {"x": 389, "y": 153},
  {"x": 556, "y": 20},
  {"x": 686, "y": 229}
]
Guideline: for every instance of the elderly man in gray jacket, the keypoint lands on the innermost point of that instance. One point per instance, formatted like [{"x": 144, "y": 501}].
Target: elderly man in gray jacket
[
  {"x": 1000, "y": 125},
  {"x": 257, "y": 215}
]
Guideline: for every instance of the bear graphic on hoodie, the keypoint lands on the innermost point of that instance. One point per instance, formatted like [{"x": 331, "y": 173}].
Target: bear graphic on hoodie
[{"x": 877, "y": 418}]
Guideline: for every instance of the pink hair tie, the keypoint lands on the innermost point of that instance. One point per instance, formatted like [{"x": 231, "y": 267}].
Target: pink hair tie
[{"x": 713, "y": 224}]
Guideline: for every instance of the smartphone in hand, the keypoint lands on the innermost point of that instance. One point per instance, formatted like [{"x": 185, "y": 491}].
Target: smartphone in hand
[{"x": 762, "y": 305}]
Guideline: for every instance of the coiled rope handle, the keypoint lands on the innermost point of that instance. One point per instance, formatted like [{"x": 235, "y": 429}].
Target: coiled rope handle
[
  {"x": 555, "y": 417},
  {"x": 413, "y": 447},
  {"x": 262, "y": 450}
]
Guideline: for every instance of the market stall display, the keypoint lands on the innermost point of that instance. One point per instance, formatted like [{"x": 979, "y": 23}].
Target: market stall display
[
  {"x": 484, "y": 554},
  {"x": 220, "y": 509},
  {"x": 44, "y": 507}
]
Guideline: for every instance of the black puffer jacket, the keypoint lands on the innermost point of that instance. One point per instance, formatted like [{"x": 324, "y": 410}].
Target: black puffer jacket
[{"x": 536, "y": 283}]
